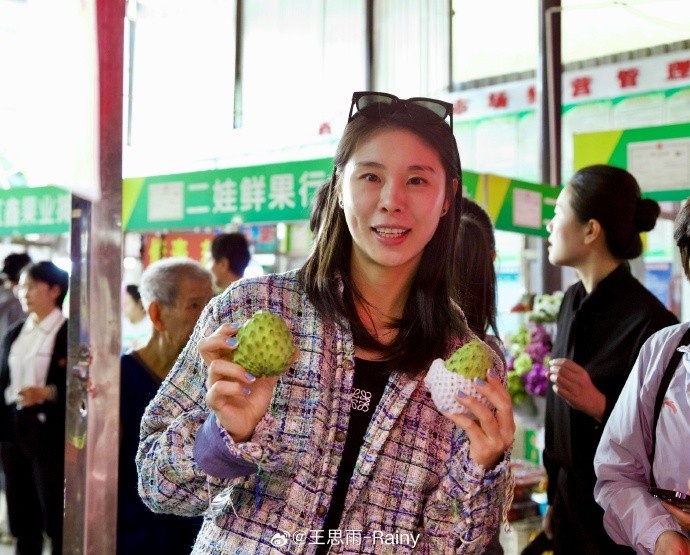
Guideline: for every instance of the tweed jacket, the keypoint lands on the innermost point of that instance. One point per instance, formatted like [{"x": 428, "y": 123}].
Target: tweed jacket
[{"x": 413, "y": 479}]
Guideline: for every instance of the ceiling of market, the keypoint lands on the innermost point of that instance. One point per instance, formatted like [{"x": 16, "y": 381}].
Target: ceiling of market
[
  {"x": 498, "y": 37},
  {"x": 490, "y": 38}
]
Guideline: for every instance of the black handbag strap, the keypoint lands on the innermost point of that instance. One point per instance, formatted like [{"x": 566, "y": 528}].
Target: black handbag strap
[{"x": 661, "y": 393}]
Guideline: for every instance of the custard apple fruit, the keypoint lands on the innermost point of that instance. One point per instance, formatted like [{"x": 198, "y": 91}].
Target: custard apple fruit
[
  {"x": 457, "y": 373},
  {"x": 265, "y": 346},
  {"x": 472, "y": 360}
]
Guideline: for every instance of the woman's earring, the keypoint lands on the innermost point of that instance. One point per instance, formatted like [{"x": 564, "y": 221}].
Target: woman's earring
[
  {"x": 443, "y": 212},
  {"x": 340, "y": 203}
]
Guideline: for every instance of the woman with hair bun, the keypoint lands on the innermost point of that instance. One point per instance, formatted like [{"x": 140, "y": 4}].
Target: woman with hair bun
[{"x": 603, "y": 321}]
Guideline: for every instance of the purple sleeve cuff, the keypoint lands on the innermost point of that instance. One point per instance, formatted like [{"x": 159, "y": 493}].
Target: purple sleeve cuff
[{"x": 212, "y": 455}]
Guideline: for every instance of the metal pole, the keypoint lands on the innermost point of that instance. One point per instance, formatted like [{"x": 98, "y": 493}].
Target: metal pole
[
  {"x": 451, "y": 14},
  {"x": 93, "y": 383},
  {"x": 239, "y": 56},
  {"x": 370, "y": 47},
  {"x": 549, "y": 74},
  {"x": 132, "y": 23}
]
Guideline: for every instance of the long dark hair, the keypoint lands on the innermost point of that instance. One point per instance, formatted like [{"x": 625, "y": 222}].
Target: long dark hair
[
  {"x": 430, "y": 317},
  {"x": 612, "y": 196},
  {"x": 475, "y": 277}
]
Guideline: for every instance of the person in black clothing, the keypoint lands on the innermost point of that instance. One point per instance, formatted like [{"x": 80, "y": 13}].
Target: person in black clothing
[
  {"x": 10, "y": 308},
  {"x": 33, "y": 379},
  {"x": 475, "y": 276},
  {"x": 603, "y": 321}
]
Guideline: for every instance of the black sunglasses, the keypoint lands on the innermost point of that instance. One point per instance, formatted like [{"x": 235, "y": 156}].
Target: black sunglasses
[{"x": 380, "y": 105}]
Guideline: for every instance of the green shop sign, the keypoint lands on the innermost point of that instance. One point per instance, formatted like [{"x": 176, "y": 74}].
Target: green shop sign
[
  {"x": 658, "y": 157},
  {"x": 283, "y": 193},
  {"x": 258, "y": 194},
  {"x": 34, "y": 210},
  {"x": 514, "y": 205},
  {"x": 255, "y": 194}
]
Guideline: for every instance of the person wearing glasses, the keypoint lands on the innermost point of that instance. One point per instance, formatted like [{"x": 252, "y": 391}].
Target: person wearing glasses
[
  {"x": 345, "y": 452},
  {"x": 603, "y": 321}
]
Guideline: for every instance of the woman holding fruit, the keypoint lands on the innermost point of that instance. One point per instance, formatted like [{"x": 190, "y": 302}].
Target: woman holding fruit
[
  {"x": 603, "y": 321},
  {"x": 345, "y": 451}
]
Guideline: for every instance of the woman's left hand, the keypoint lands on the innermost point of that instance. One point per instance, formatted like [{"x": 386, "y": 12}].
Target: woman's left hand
[
  {"x": 572, "y": 382},
  {"x": 681, "y": 516},
  {"x": 493, "y": 432}
]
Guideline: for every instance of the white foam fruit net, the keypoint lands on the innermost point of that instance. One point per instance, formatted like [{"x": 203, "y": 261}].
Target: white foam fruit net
[{"x": 443, "y": 384}]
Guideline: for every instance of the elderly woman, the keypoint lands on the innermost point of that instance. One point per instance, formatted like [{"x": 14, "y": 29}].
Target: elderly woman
[{"x": 174, "y": 292}]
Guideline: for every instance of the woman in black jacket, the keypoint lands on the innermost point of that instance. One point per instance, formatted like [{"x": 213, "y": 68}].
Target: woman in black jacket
[
  {"x": 33, "y": 360},
  {"x": 604, "y": 319}
]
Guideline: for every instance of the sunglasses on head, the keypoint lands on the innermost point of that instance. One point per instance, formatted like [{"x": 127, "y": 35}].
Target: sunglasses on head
[{"x": 380, "y": 105}]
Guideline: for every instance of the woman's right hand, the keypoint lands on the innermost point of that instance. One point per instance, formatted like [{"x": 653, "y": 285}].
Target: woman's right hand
[
  {"x": 238, "y": 399},
  {"x": 682, "y": 517},
  {"x": 672, "y": 543}
]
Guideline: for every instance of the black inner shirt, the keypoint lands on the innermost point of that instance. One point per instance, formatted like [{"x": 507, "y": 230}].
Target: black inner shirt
[{"x": 367, "y": 389}]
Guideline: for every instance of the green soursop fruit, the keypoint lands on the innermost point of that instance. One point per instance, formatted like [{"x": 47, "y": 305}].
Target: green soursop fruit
[
  {"x": 265, "y": 346},
  {"x": 472, "y": 360}
]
